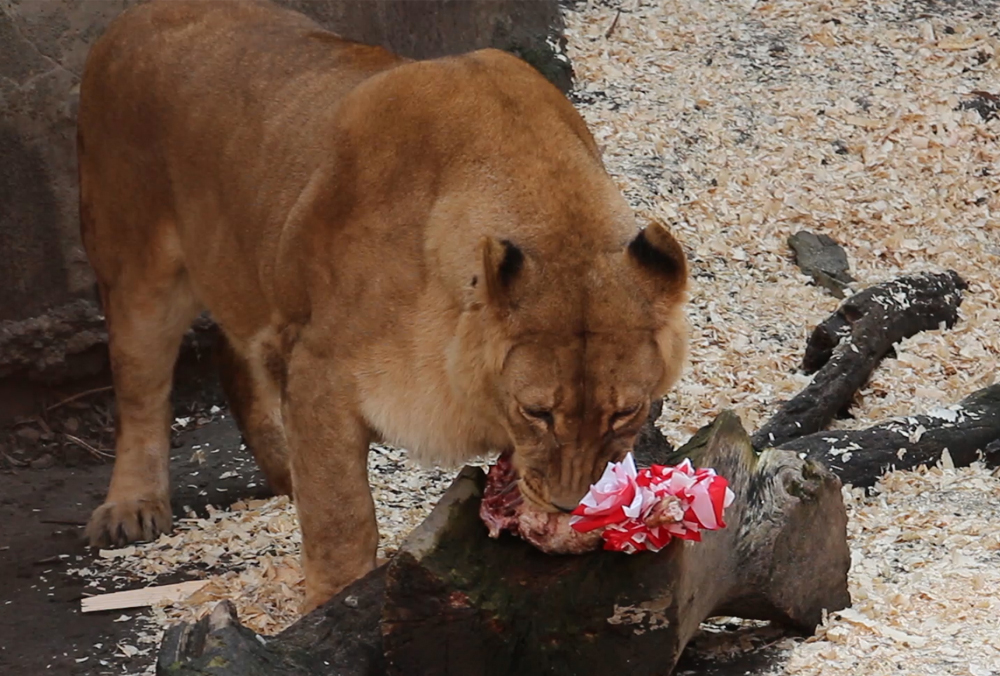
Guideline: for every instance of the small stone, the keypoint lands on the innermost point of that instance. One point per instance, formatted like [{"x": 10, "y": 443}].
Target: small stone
[
  {"x": 820, "y": 257},
  {"x": 43, "y": 461},
  {"x": 984, "y": 103},
  {"x": 351, "y": 601},
  {"x": 29, "y": 434}
]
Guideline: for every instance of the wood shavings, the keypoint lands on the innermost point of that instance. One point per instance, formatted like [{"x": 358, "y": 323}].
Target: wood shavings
[
  {"x": 740, "y": 124},
  {"x": 924, "y": 580}
]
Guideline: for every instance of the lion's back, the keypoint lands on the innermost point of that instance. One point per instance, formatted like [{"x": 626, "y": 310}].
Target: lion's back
[
  {"x": 184, "y": 99},
  {"x": 221, "y": 122},
  {"x": 175, "y": 63}
]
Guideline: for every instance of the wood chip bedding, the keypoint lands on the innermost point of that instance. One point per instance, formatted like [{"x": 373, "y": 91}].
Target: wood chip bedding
[{"x": 741, "y": 123}]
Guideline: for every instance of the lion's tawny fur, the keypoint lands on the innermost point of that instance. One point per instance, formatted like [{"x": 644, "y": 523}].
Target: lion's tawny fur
[{"x": 428, "y": 252}]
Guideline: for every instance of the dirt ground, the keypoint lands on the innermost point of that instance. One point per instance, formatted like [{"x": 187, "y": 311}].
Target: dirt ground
[{"x": 48, "y": 487}]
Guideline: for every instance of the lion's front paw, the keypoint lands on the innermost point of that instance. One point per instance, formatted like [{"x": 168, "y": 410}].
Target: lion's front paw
[{"x": 116, "y": 523}]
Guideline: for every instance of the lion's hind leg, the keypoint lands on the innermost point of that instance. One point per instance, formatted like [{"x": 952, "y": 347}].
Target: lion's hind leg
[
  {"x": 254, "y": 394},
  {"x": 148, "y": 308}
]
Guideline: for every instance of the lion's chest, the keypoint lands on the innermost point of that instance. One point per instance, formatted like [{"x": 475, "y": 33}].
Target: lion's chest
[{"x": 419, "y": 411}]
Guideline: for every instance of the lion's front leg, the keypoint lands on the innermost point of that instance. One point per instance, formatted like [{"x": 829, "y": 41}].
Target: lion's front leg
[{"x": 328, "y": 444}]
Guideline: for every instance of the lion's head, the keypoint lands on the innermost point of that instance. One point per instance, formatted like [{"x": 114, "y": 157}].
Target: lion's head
[
  {"x": 563, "y": 323},
  {"x": 579, "y": 350}
]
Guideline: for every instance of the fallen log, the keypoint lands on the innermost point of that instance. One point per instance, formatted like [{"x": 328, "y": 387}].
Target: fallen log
[
  {"x": 844, "y": 349},
  {"x": 456, "y": 605},
  {"x": 458, "y": 602},
  {"x": 969, "y": 430},
  {"x": 341, "y": 638}
]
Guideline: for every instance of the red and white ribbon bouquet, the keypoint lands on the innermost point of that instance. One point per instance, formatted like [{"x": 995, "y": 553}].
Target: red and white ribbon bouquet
[{"x": 643, "y": 510}]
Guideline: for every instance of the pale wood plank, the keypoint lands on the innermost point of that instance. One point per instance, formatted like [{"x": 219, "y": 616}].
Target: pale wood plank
[{"x": 136, "y": 598}]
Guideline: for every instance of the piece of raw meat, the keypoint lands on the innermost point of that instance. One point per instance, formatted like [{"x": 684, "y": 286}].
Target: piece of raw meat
[{"x": 503, "y": 508}]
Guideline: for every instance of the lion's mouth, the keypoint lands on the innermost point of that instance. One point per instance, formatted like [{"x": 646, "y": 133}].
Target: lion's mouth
[{"x": 505, "y": 507}]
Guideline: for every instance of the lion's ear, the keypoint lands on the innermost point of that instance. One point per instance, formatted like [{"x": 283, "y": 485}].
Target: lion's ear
[
  {"x": 502, "y": 262},
  {"x": 655, "y": 250}
]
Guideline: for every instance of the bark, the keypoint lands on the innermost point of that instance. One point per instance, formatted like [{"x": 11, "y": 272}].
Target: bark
[
  {"x": 650, "y": 444},
  {"x": 845, "y": 349},
  {"x": 342, "y": 637},
  {"x": 969, "y": 431}
]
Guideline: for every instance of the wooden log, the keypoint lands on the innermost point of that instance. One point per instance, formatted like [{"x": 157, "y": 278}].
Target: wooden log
[
  {"x": 968, "y": 431},
  {"x": 845, "y": 349},
  {"x": 455, "y": 601},
  {"x": 458, "y": 603},
  {"x": 341, "y": 638},
  {"x": 650, "y": 444}
]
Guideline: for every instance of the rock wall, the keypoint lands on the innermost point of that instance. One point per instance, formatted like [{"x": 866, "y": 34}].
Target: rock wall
[{"x": 44, "y": 271}]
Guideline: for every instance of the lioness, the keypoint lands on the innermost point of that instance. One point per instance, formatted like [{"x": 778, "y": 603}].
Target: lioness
[{"x": 425, "y": 252}]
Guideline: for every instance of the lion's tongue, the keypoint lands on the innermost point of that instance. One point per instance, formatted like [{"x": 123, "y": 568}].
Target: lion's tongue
[{"x": 501, "y": 497}]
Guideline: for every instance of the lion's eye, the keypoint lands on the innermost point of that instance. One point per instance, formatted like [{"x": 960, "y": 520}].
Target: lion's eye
[
  {"x": 621, "y": 417},
  {"x": 543, "y": 415}
]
